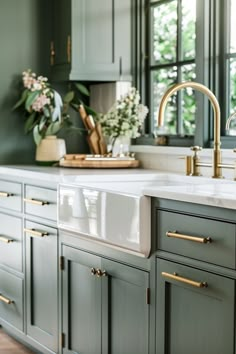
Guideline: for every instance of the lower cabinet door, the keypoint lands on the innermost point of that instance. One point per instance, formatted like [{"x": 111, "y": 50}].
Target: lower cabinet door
[
  {"x": 105, "y": 308},
  {"x": 42, "y": 284},
  {"x": 125, "y": 307},
  {"x": 81, "y": 302},
  {"x": 195, "y": 311}
]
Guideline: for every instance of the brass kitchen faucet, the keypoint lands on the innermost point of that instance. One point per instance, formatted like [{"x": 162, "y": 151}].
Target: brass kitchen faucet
[{"x": 193, "y": 163}]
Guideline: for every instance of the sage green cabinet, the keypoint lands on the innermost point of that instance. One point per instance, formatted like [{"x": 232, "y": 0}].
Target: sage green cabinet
[
  {"x": 11, "y": 300},
  {"x": 41, "y": 284},
  {"x": 61, "y": 38},
  {"x": 93, "y": 43},
  {"x": 190, "y": 318},
  {"x": 195, "y": 278},
  {"x": 104, "y": 305}
]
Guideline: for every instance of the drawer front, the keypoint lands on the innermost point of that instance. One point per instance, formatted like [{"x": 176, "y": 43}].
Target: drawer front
[
  {"x": 11, "y": 299},
  {"x": 11, "y": 195},
  {"x": 11, "y": 241},
  {"x": 41, "y": 202},
  {"x": 210, "y": 240}
]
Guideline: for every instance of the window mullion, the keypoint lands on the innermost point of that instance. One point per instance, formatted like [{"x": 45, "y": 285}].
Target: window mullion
[{"x": 179, "y": 123}]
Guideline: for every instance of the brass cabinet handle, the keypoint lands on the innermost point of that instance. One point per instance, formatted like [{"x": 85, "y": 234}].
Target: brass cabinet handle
[
  {"x": 194, "y": 283},
  {"x": 5, "y": 239},
  {"x": 35, "y": 201},
  {"x": 33, "y": 232},
  {"x": 68, "y": 49},
  {"x": 52, "y": 53},
  {"x": 6, "y": 300},
  {"x": 101, "y": 273},
  {"x": 175, "y": 234},
  {"x": 5, "y": 194}
]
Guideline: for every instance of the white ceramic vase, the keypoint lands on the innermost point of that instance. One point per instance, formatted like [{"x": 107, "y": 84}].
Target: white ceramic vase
[{"x": 50, "y": 150}]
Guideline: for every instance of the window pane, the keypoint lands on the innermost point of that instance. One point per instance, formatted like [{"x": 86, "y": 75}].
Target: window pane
[
  {"x": 232, "y": 27},
  {"x": 232, "y": 85},
  {"x": 188, "y": 29},
  {"x": 164, "y": 19},
  {"x": 161, "y": 80},
  {"x": 188, "y": 104}
]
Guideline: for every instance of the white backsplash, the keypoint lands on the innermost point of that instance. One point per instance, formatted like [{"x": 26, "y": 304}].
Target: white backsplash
[{"x": 171, "y": 159}]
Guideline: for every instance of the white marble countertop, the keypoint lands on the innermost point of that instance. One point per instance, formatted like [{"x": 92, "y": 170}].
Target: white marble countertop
[{"x": 200, "y": 190}]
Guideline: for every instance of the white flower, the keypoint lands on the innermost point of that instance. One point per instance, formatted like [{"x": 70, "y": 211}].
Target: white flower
[{"x": 125, "y": 117}]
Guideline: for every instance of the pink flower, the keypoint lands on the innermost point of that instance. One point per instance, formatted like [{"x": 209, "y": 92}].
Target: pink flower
[{"x": 40, "y": 102}]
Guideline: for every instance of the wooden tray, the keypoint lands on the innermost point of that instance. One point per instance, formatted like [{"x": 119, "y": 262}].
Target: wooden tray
[{"x": 77, "y": 163}]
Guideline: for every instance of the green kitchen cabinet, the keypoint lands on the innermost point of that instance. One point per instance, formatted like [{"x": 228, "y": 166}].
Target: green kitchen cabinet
[
  {"x": 195, "y": 278},
  {"x": 61, "y": 37},
  {"x": 193, "y": 318},
  {"x": 104, "y": 305},
  {"x": 41, "y": 284},
  {"x": 92, "y": 42}
]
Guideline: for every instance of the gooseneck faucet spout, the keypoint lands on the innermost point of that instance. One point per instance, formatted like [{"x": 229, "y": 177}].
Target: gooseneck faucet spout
[{"x": 216, "y": 109}]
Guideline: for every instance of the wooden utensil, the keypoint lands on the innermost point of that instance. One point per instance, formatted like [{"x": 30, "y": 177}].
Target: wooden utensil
[
  {"x": 93, "y": 141},
  {"x": 83, "y": 116},
  {"x": 101, "y": 141}
]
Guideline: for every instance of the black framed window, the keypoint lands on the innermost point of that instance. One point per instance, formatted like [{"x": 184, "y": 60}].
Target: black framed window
[
  {"x": 190, "y": 40},
  {"x": 172, "y": 33}
]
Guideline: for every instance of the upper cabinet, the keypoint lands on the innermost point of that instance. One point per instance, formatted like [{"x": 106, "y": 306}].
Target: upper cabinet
[{"x": 92, "y": 42}]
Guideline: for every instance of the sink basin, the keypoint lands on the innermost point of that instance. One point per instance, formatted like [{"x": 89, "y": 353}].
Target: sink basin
[{"x": 113, "y": 212}]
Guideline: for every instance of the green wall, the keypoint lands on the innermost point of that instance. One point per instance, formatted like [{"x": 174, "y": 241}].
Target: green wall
[{"x": 25, "y": 34}]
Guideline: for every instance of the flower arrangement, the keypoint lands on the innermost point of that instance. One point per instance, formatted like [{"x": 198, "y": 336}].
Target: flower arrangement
[
  {"x": 125, "y": 117},
  {"x": 46, "y": 113}
]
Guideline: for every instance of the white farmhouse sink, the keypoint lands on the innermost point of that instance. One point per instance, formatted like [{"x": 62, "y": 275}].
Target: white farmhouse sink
[{"x": 116, "y": 213}]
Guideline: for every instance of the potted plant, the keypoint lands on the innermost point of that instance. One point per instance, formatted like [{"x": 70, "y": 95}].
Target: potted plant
[
  {"x": 123, "y": 121},
  {"x": 46, "y": 114}
]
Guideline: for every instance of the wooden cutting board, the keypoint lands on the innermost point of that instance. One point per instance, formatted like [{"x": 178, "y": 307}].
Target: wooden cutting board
[{"x": 99, "y": 163}]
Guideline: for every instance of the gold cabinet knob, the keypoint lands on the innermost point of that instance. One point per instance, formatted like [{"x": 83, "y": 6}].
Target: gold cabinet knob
[
  {"x": 93, "y": 271},
  {"x": 101, "y": 273}
]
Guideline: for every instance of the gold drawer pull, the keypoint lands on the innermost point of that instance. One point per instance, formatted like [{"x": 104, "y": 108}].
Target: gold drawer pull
[
  {"x": 5, "y": 194},
  {"x": 6, "y": 300},
  {"x": 175, "y": 276},
  {"x": 33, "y": 232},
  {"x": 175, "y": 234},
  {"x": 5, "y": 239},
  {"x": 35, "y": 201}
]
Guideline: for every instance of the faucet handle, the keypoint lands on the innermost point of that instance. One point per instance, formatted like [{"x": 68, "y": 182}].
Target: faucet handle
[
  {"x": 195, "y": 160},
  {"x": 196, "y": 148}
]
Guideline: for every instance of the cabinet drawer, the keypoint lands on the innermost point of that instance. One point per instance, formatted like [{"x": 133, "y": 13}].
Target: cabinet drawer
[
  {"x": 41, "y": 202},
  {"x": 11, "y": 241},
  {"x": 11, "y": 299},
  {"x": 220, "y": 250},
  {"x": 10, "y": 195}
]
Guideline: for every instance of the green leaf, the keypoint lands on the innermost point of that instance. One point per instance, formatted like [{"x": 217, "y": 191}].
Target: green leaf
[
  {"x": 75, "y": 106},
  {"x": 82, "y": 89},
  {"x": 46, "y": 111},
  {"x": 21, "y": 100},
  {"x": 42, "y": 123},
  {"x": 69, "y": 97},
  {"x": 89, "y": 110},
  {"x": 30, "y": 99},
  {"x": 29, "y": 124},
  {"x": 53, "y": 128},
  {"x": 36, "y": 135}
]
